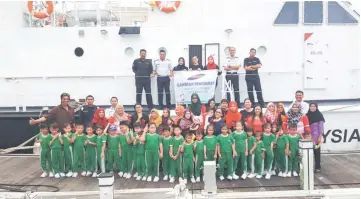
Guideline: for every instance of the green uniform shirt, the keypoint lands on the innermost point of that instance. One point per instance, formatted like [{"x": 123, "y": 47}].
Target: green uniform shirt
[
  {"x": 199, "y": 147},
  {"x": 210, "y": 142},
  {"x": 140, "y": 148},
  {"x": 123, "y": 141},
  {"x": 101, "y": 140},
  {"x": 268, "y": 140},
  {"x": 45, "y": 140},
  {"x": 294, "y": 143},
  {"x": 131, "y": 145},
  {"x": 152, "y": 141},
  {"x": 91, "y": 139},
  {"x": 240, "y": 140},
  {"x": 113, "y": 142},
  {"x": 251, "y": 141},
  {"x": 56, "y": 144},
  {"x": 260, "y": 147},
  {"x": 225, "y": 143},
  {"x": 66, "y": 138},
  {"x": 166, "y": 144},
  {"x": 79, "y": 141},
  {"x": 282, "y": 141},
  {"x": 188, "y": 150},
  {"x": 176, "y": 143}
]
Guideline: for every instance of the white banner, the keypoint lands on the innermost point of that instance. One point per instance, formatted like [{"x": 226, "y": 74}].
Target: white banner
[{"x": 188, "y": 82}]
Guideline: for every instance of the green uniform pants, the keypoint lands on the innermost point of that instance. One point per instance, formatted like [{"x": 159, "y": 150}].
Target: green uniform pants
[
  {"x": 140, "y": 164},
  {"x": 240, "y": 162},
  {"x": 199, "y": 165},
  {"x": 176, "y": 167},
  {"x": 188, "y": 167},
  {"x": 166, "y": 163},
  {"x": 68, "y": 158},
  {"x": 101, "y": 161},
  {"x": 45, "y": 157},
  {"x": 258, "y": 163},
  {"x": 210, "y": 155},
  {"x": 281, "y": 160},
  {"x": 250, "y": 163},
  {"x": 91, "y": 159},
  {"x": 127, "y": 160},
  {"x": 79, "y": 159},
  {"x": 57, "y": 159},
  {"x": 293, "y": 162},
  {"x": 152, "y": 162},
  {"x": 225, "y": 160},
  {"x": 268, "y": 160},
  {"x": 113, "y": 157}
]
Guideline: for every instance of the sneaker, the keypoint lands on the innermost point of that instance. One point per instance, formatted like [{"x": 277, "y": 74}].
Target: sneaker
[
  {"x": 284, "y": 174},
  {"x": 221, "y": 178},
  {"x": 144, "y": 178},
  {"x": 75, "y": 175},
  {"x": 165, "y": 177},
  {"x": 244, "y": 176},
  {"x": 259, "y": 176},
  {"x": 234, "y": 176},
  {"x": 57, "y": 175},
  {"x": 280, "y": 174},
  {"x": 198, "y": 179},
  {"x": 138, "y": 177},
  {"x": 264, "y": 173},
  {"x": 88, "y": 173},
  {"x": 120, "y": 174},
  {"x": 62, "y": 175},
  {"x": 295, "y": 174},
  {"x": 180, "y": 179},
  {"x": 268, "y": 176},
  {"x": 69, "y": 174},
  {"x": 171, "y": 180},
  {"x": 44, "y": 174},
  {"x": 51, "y": 175},
  {"x": 149, "y": 179},
  {"x": 83, "y": 173},
  {"x": 273, "y": 172},
  {"x": 128, "y": 176},
  {"x": 229, "y": 177},
  {"x": 252, "y": 175},
  {"x": 135, "y": 175},
  {"x": 156, "y": 179},
  {"x": 193, "y": 180},
  {"x": 289, "y": 174},
  {"x": 94, "y": 175}
]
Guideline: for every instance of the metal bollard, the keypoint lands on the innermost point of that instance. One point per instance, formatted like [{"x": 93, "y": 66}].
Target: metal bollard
[
  {"x": 306, "y": 165},
  {"x": 106, "y": 185}
]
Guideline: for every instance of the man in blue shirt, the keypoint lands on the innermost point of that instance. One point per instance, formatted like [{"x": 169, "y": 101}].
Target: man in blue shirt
[{"x": 251, "y": 65}]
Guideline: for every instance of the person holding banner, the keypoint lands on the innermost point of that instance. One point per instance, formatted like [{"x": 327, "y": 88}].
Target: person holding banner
[
  {"x": 212, "y": 66},
  {"x": 181, "y": 65},
  {"x": 195, "y": 65},
  {"x": 231, "y": 66}
]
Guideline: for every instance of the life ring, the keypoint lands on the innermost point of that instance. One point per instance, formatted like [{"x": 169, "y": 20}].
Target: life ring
[
  {"x": 41, "y": 15},
  {"x": 168, "y": 9}
]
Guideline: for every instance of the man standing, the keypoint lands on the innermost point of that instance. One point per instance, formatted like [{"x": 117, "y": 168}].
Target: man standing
[
  {"x": 163, "y": 70},
  {"x": 251, "y": 65},
  {"x": 61, "y": 114},
  {"x": 231, "y": 67},
  {"x": 142, "y": 69},
  {"x": 87, "y": 111},
  {"x": 299, "y": 99},
  {"x": 110, "y": 111}
]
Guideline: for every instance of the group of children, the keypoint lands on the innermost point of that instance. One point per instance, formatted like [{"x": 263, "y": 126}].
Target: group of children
[{"x": 247, "y": 153}]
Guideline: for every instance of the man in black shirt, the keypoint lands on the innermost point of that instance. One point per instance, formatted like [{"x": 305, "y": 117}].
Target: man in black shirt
[
  {"x": 87, "y": 111},
  {"x": 251, "y": 65},
  {"x": 142, "y": 69}
]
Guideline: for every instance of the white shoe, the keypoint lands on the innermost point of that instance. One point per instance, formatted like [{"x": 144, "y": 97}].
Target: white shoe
[
  {"x": 94, "y": 175},
  {"x": 75, "y": 175},
  {"x": 138, "y": 178},
  {"x": 51, "y": 175},
  {"x": 165, "y": 177},
  {"x": 120, "y": 174},
  {"x": 259, "y": 176},
  {"x": 221, "y": 178},
  {"x": 144, "y": 178},
  {"x": 284, "y": 174},
  {"x": 198, "y": 179},
  {"x": 128, "y": 176},
  {"x": 280, "y": 174},
  {"x": 289, "y": 174},
  {"x": 295, "y": 174},
  {"x": 229, "y": 177},
  {"x": 57, "y": 175},
  {"x": 264, "y": 173},
  {"x": 62, "y": 175},
  {"x": 88, "y": 173},
  {"x": 193, "y": 180},
  {"x": 244, "y": 176},
  {"x": 273, "y": 172},
  {"x": 234, "y": 176},
  {"x": 185, "y": 181},
  {"x": 83, "y": 173},
  {"x": 268, "y": 176},
  {"x": 252, "y": 175},
  {"x": 69, "y": 174},
  {"x": 156, "y": 179},
  {"x": 171, "y": 180},
  {"x": 149, "y": 179},
  {"x": 180, "y": 179},
  {"x": 44, "y": 174},
  {"x": 135, "y": 175}
]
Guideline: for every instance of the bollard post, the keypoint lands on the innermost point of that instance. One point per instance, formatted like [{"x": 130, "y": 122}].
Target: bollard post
[
  {"x": 306, "y": 165},
  {"x": 106, "y": 185},
  {"x": 209, "y": 178}
]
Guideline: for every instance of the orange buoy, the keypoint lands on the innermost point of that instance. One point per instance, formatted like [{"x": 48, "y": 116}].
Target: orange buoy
[
  {"x": 168, "y": 9},
  {"x": 41, "y": 15}
]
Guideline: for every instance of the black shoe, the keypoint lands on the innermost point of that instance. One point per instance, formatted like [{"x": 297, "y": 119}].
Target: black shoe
[{"x": 317, "y": 170}]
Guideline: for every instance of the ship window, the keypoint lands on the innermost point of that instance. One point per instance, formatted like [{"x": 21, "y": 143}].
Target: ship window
[
  {"x": 313, "y": 12},
  {"x": 338, "y": 15},
  {"x": 289, "y": 14}
]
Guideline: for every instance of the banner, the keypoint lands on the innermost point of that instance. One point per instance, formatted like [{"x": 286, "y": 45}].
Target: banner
[{"x": 188, "y": 82}]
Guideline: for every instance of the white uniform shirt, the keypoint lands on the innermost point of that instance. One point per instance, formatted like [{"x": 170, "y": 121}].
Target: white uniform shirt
[
  {"x": 162, "y": 68},
  {"x": 233, "y": 61},
  {"x": 109, "y": 112}
]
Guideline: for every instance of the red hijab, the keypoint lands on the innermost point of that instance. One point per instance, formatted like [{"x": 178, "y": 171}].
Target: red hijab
[
  {"x": 211, "y": 66},
  {"x": 100, "y": 120},
  {"x": 232, "y": 117}
]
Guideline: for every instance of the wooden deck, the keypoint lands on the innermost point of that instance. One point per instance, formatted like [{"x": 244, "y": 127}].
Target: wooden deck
[{"x": 336, "y": 169}]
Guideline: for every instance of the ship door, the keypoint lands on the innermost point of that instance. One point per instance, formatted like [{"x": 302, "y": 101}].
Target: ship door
[{"x": 315, "y": 62}]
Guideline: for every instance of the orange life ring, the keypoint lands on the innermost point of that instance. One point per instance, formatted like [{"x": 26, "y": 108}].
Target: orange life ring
[
  {"x": 41, "y": 15},
  {"x": 168, "y": 9}
]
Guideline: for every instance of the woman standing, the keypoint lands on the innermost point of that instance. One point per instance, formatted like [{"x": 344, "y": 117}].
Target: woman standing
[
  {"x": 186, "y": 122},
  {"x": 257, "y": 120},
  {"x": 179, "y": 111},
  {"x": 295, "y": 116},
  {"x": 119, "y": 116},
  {"x": 282, "y": 117},
  {"x": 213, "y": 66},
  {"x": 211, "y": 105},
  {"x": 247, "y": 111},
  {"x": 217, "y": 122},
  {"x": 195, "y": 65},
  {"x": 139, "y": 116},
  {"x": 232, "y": 115},
  {"x": 155, "y": 117},
  {"x": 271, "y": 114},
  {"x": 181, "y": 65},
  {"x": 99, "y": 118},
  {"x": 317, "y": 121},
  {"x": 196, "y": 105}
]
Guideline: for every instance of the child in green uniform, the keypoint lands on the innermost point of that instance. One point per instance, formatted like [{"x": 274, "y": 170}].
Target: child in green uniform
[
  {"x": 56, "y": 146},
  {"x": 188, "y": 159},
  {"x": 241, "y": 145},
  {"x": 90, "y": 151},
  {"x": 44, "y": 138},
  {"x": 226, "y": 149},
  {"x": 210, "y": 144},
  {"x": 274, "y": 131},
  {"x": 166, "y": 157},
  {"x": 268, "y": 140},
  {"x": 153, "y": 152},
  {"x": 68, "y": 150},
  {"x": 140, "y": 153},
  {"x": 114, "y": 152},
  {"x": 293, "y": 139},
  {"x": 79, "y": 152},
  {"x": 126, "y": 145},
  {"x": 175, "y": 153},
  {"x": 101, "y": 146},
  {"x": 259, "y": 155},
  {"x": 281, "y": 152},
  {"x": 199, "y": 151},
  {"x": 252, "y": 145}
]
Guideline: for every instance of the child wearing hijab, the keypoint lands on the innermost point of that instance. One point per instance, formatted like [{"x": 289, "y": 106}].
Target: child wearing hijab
[{"x": 232, "y": 116}]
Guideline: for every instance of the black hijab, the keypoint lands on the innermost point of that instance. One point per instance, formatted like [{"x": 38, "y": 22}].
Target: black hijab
[
  {"x": 315, "y": 116},
  {"x": 180, "y": 67}
]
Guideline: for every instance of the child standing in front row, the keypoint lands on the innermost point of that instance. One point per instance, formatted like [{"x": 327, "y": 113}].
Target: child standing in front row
[
  {"x": 114, "y": 150},
  {"x": 268, "y": 140},
  {"x": 241, "y": 145},
  {"x": 68, "y": 150},
  {"x": 226, "y": 153},
  {"x": 56, "y": 146},
  {"x": 101, "y": 147},
  {"x": 252, "y": 145},
  {"x": 166, "y": 139},
  {"x": 199, "y": 151},
  {"x": 293, "y": 139},
  {"x": 79, "y": 153},
  {"x": 90, "y": 151},
  {"x": 44, "y": 139},
  {"x": 140, "y": 153},
  {"x": 259, "y": 154},
  {"x": 175, "y": 153},
  {"x": 281, "y": 152},
  {"x": 210, "y": 144},
  {"x": 188, "y": 159},
  {"x": 274, "y": 131},
  {"x": 126, "y": 146}
]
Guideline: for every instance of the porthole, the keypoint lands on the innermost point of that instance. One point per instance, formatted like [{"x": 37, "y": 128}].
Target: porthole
[{"x": 129, "y": 51}]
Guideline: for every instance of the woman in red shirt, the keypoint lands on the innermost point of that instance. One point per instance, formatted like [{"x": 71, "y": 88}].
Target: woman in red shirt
[
  {"x": 99, "y": 118},
  {"x": 257, "y": 120},
  {"x": 232, "y": 115}
]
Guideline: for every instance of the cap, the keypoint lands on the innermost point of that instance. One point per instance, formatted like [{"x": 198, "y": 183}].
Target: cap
[{"x": 112, "y": 128}]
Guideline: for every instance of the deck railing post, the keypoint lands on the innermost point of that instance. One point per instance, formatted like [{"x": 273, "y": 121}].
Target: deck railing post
[
  {"x": 106, "y": 185},
  {"x": 306, "y": 165}
]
